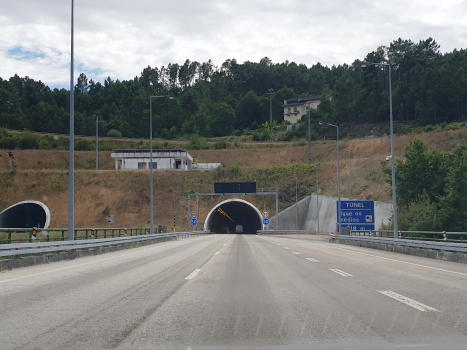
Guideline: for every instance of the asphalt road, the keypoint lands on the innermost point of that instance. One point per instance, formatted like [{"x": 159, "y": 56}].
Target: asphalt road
[{"x": 236, "y": 290}]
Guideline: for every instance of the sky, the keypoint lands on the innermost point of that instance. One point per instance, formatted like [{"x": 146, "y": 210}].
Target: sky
[{"x": 119, "y": 38}]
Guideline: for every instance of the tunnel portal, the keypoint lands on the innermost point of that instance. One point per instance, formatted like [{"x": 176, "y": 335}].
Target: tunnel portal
[
  {"x": 227, "y": 216},
  {"x": 25, "y": 214}
]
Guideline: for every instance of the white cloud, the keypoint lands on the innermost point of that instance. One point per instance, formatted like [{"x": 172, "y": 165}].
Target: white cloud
[{"x": 119, "y": 38}]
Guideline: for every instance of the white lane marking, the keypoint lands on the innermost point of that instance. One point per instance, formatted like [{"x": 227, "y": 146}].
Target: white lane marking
[
  {"x": 389, "y": 259},
  {"x": 312, "y": 260},
  {"x": 342, "y": 273},
  {"x": 91, "y": 262},
  {"x": 415, "y": 304},
  {"x": 286, "y": 247},
  {"x": 296, "y": 253},
  {"x": 217, "y": 252},
  {"x": 193, "y": 274}
]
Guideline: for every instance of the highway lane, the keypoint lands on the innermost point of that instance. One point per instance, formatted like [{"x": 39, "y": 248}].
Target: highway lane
[{"x": 234, "y": 290}]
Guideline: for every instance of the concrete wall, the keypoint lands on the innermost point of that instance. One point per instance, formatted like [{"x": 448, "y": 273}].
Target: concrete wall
[{"x": 307, "y": 215}]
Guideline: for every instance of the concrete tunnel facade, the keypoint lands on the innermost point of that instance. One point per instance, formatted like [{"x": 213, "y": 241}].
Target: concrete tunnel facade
[
  {"x": 240, "y": 212},
  {"x": 26, "y": 214}
]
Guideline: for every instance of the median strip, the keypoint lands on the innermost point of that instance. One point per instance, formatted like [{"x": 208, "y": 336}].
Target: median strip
[{"x": 407, "y": 301}]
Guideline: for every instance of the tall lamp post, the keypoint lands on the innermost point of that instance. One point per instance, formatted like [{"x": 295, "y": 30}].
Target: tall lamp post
[
  {"x": 317, "y": 195},
  {"x": 71, "y": 173},
  {"x": 270, "y": 91},
  {"x": 338, "y": 178},
  {"x": 150, "y": 162},
  {"x": 309, "y": 136},
  {"x": 296, "y": 200},
  {"x": 350, "y": 173},
  {"x": 394, "y": 201}
]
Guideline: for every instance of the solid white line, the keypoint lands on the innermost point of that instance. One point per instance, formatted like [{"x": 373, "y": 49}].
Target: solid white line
[
  {"x": 88, "y": 263},
  {"x": 389, "y": 259},
  {"x": 193, "y": 274},
  {"x": 217, "y": 252},
  {"x": 312, "y": 260},
  {"x": 296, "y": 253},
  {"x": 342, "y": 273},
  {"x": 413, "y": 303}
]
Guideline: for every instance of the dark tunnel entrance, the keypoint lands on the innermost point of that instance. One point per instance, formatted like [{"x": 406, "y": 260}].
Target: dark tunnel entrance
[
  {"x": 25, "y": 214},
  {"x": 234, "y": 215}
]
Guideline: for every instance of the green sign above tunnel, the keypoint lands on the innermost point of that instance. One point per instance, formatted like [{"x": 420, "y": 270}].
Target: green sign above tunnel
[{"x": 235, "y": 187}]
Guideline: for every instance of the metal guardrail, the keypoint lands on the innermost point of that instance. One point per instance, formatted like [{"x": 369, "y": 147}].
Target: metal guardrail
[
  {"x": 8, "y": 250},
  {"x": 447, "y": 246},
  {"x": 417, "y": 235},
  {"x": 18, "y": 235}
]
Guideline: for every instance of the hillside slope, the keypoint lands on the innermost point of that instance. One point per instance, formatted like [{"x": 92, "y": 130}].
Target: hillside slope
[{"x": 43, "y": 175}]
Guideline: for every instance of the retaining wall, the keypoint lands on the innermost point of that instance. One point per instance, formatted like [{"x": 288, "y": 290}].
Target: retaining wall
[{"x": 308, "y": 215}]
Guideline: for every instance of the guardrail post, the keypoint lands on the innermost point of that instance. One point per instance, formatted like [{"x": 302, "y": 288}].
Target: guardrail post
[
  {"x": 400, "y": 234},
  {"x": 444, "y": 235}
]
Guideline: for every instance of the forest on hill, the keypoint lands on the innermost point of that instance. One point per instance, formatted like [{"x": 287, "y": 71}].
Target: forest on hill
[{"x": 233, "y": 99}]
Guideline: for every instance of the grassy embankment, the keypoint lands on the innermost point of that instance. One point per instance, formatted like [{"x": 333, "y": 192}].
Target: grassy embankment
[{"x": 43, "y": 175}]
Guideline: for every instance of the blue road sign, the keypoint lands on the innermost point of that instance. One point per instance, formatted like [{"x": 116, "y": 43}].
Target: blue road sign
[
  {"x": 265, "y": 221},
  {"x": 358, "y": 215},
  {"x": 194, "y": 222}
]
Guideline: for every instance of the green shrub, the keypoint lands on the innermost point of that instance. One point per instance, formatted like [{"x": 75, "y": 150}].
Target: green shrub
[
  {"x": 197, "y": 142},
  {"x": 106, "y": 210},
  {"x": 29, "y": 141},
  {"x": 114, "y": 133},
  {"x": 83, "y": 145},
  {"x": 171, "y": 189},
  {"x": 221, "y": 145}
]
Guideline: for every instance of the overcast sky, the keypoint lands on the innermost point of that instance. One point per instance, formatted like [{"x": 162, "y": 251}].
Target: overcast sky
[{"x": 118, "y": 38}]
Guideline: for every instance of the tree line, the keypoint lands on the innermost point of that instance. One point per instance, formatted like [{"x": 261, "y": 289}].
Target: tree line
[{"x": 232, "y": 99}]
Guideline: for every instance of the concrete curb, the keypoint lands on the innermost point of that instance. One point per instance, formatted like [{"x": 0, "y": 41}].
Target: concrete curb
[
  {"x": 18, "y": 262},
  {"x": 424, "y": 253}
]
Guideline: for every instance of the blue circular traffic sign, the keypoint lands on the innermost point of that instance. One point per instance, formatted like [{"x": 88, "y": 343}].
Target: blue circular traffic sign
[
  {"x": 265, "y": 221},
  {"x": 194, "y": 222}
]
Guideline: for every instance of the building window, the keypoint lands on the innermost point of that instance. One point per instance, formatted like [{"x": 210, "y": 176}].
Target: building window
[
  {"x": 142, "y": 165},
  {"x": 154, "y": 165},
  {"x": 295, "y": 109},
  {"x": 288, "y": 109},
  {"x": 307, "y": 108}
]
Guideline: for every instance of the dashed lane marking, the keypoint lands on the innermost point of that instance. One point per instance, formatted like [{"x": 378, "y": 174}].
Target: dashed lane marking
[
  {"x": 413, "y": 303},
  {"x": 342, "y": 273},
  {"x": 286, "y": 247},
  {"x": 217, "y": 252},
  {"x": 296, "y": 253},
  {"x": 193, "y": 274},
  {"x": 312, "y": 260}
]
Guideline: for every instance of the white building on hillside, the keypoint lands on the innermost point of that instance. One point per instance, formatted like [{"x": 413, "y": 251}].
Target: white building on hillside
[
  {"x": 295, "y": 108},
  {"x": 162, "y": 159}
]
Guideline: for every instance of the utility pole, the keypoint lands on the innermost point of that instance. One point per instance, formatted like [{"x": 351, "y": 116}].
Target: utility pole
[
  {"x": 97, "y": 142},
  {"x": 270, "y": 104}
]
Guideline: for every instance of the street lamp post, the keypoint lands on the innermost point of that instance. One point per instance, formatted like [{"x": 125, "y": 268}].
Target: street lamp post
[
  {"x": 309, "y": 137},
  {"x": 338, "y": 178},
  {"x": 394, "y": 201},
  {"x": 317, "y": 195},
  {"x": 296, "y": 200},
  {"x": 350, "y": 173},
  {"x": 71, "y": 172},
  {"x": 150, "y": 161}
]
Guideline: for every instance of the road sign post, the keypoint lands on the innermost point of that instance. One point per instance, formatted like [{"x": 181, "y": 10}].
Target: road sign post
[
  {"x": 265, "y": 221},
  {"x": 194, "y": 222},
  {"x": 358, "y": 215}
]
